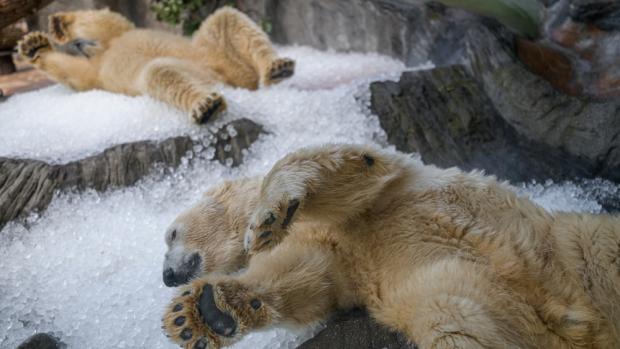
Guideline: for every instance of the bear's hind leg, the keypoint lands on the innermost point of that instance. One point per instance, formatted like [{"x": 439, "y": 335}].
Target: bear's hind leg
[
  {"x": 180, "y": 84},
  {"x": 450, "y": 304},
  {"x": 294, "y": 285},
  {"x": 234, "y": 30}
]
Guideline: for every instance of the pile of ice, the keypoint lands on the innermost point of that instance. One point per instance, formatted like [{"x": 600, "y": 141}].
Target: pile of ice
[
  {"x": 89, "y": 270},
  {"x": 58, "y": 125}
]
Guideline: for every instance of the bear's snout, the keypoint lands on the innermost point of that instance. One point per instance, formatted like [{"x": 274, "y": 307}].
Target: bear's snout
[{"x": 183, "y": 273}]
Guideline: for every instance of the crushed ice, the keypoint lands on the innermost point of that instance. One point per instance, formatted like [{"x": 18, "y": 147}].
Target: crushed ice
[
  {"x": 58, "y": 125},
  {"x": 89, "y": 269}
]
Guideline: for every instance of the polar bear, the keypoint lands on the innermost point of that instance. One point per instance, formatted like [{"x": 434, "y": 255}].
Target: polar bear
[
  {"x": 100, "y": 49},
  {"x": 450, "y": 259}
]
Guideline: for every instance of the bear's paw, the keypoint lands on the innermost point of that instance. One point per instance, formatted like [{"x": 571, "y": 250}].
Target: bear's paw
[
  {"x": 212, "y": 315},
  {"x": 209, "y": 107},
  {"x": 278, "y": 70},
  {"x": 269, "y": 224},
  {"x": 33, "y": 44}
]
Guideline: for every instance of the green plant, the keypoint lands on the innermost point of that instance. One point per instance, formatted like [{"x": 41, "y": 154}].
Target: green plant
[
  {"x": 188, "y": 13},
  {"x": 522, "y": 16}
]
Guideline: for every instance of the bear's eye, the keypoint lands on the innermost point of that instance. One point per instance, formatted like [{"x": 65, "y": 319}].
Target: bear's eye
[{"x": 173, "y": 235}]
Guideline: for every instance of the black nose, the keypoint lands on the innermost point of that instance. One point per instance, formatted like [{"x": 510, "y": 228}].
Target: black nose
[{"x": 169, "y": 278}]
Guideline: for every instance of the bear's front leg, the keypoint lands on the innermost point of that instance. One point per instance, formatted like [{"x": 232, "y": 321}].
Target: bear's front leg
[
  {"x": 330, "y": 185},
  {"x": 212, "y": 314},
  {"x": 299, "y": 283}
]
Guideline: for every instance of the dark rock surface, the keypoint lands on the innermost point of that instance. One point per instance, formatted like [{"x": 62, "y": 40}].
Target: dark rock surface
[
  {"x": 42, "y": 341},
  {"x": 446, "y": 116},
  {"x": 356, "y": 330},
  {"x": 28, "y": 186}
]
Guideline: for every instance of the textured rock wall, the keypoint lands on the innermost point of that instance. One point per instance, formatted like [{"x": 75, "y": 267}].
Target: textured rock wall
[{"x": 543, "y": 121}]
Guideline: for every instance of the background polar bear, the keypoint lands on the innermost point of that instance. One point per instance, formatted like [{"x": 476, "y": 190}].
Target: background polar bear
[
  {"x": 108, "y": 52},
  {"x": 451, "y": 259}
]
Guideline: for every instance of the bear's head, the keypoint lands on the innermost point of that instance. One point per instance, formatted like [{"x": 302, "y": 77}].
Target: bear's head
[
  {"x": 208, "y": 237},
  {"x": 97, "y": 25}
]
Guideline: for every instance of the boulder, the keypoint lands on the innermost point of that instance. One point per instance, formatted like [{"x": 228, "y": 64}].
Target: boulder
[
  {"x": 356, "y": 330},
  {"x": 42, "y": 341},
  {"x": 445, "y": 115},
  {"x": 27, "y": 186}
]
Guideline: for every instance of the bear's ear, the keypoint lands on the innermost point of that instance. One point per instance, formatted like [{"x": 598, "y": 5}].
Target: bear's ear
[
  {"x": 59, "y": 25},
  {"x": 218, "y": 190}
]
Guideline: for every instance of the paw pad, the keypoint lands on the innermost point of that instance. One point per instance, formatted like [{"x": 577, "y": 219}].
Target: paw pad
[
  {"x": 31, "y": 45},
  {"x": 201, "y": 344},
  {"x": 219, "y": 321},
  {"x": 186, "y": 334},
  {"x": 209, "y": 107},
  {"x": 280, "y": 69},
  {"x": 213, "y": 315},
  {"x": 179, "y": 321}
]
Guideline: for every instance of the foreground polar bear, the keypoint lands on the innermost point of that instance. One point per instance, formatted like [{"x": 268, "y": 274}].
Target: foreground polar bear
[
  {"x": 450, "y": 259},
  {"x": 107, "y": 52}
]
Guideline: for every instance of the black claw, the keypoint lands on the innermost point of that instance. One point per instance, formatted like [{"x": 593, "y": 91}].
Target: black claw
[
  {"x": 186, "y": 334},
  {"x": 33, "y": 51},
  {"x": 293, "y": 205},
  {"x": 210, "y": 112},
  {"x": 270, "y": 220},
  {"x": 58, "y": 27},
  {"x": 266, "y": 243},
  {"x": 177, "y": 308},
  {"x": 284, "y": 73},
  {"x": 255, "y": 304},
  {"x": 221, "y": 323},
  {"x": 179, "y": 321},
  {"x": 265, "y": 234},
  {"x": 369, "y": 160},
  {"x": 201, "y": 344}
]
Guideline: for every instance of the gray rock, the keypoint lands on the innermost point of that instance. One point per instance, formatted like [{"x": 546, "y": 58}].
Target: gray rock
[
  {"x": 547, "y": 134},
  {"x": 446, "y": 116},
  {"x": 403, "y": 30},
  {"x": 28, "y": 186},
  {"x": 356, "y": 330},
  {"x": 42, "y": 341}
]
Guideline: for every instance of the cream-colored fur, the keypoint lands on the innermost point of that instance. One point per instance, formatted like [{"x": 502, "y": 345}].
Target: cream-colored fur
[
  {"x": 228, "y": 48},
  {"x": 450, "y": 259}
]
